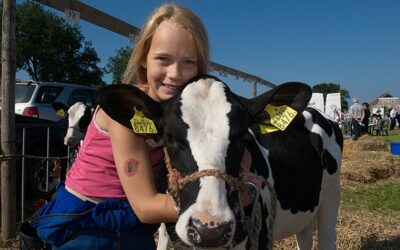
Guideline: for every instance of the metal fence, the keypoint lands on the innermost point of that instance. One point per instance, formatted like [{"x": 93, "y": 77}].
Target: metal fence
[{"x": 40, "y": 150}]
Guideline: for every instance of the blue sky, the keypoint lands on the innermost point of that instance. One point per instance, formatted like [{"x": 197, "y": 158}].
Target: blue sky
[{"x": 354, "y": 43}]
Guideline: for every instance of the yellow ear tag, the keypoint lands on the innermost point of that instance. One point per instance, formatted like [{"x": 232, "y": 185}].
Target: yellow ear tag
[
  {"x": 60, "y": 113},
  {"x": 281, "y": 116},
  {"x": 267, "y": 129},
  {"x": 141, "y": 124}
]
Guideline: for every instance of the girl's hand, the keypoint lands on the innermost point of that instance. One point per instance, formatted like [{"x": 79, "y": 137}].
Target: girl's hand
[{"x": 247, "y": 176}]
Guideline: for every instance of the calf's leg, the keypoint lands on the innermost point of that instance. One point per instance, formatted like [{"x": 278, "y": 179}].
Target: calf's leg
[
  {"x": 304, "y": 237},
  {"x": 327, "y": 219}
]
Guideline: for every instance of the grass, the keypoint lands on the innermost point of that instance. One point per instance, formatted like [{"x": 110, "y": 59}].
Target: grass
[
  {"x": 382, "y": 197},
  {"x": 394, "y": 135}
]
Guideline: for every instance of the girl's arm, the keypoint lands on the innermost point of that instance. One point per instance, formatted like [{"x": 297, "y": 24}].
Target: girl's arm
[{"x": 132, "y": 161}]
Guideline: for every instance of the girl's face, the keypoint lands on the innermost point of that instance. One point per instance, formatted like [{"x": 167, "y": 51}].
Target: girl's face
[{"x": 172, "y": 61}]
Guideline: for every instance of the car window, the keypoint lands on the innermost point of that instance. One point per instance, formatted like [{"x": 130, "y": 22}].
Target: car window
[
  {"x": 47, "y": 94},
  {"x": 23, "y": 92},
  {"x": 82, "y": 95}
]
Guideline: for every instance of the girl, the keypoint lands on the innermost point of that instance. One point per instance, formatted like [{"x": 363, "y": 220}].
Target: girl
[{"x": 114, "y": 169}]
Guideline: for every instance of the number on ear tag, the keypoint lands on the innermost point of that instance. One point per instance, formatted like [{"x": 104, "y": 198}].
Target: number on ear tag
[
  {"x": 60, "y": 113},
  {"x": 141, "y": 124},
  {"x": 281, "y": 116}
]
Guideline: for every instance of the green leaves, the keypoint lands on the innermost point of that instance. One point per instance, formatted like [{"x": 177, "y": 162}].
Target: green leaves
[
  {"x": 117, "y": 64},
  {"x": 50, "y": 49}
]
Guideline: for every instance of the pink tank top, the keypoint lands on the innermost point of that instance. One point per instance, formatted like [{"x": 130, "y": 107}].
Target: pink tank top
[{"x": 94, "y": 173}]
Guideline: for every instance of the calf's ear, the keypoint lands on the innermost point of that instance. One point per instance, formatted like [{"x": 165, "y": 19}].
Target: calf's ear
[
  {"x": 296, "y": 95},
  {"x": 120, "y": 100},
  {"x": 58, "y": 105},
  {"x": 61, "y": 109}
]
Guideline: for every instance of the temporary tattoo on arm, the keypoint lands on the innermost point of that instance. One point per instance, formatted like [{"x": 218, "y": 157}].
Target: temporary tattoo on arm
[{"x": 131, "y": 167}]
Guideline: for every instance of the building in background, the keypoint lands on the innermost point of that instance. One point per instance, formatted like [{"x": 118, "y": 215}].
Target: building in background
[{"x": 383, "y": 104}]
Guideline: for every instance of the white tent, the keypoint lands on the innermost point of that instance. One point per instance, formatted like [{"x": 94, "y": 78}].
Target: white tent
[
  {"x": 332, "y": 103},
  {"x": 317, "y": 101}
]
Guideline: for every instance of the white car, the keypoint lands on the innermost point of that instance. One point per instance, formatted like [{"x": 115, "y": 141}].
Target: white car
[{"x": 35, "y": 98}]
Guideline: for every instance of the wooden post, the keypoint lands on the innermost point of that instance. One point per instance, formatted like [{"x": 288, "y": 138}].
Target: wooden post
[
  {"x": 8, "y": 173},
  {"x": 118, "y": 26},
  {"x": 254, "y": 89}
]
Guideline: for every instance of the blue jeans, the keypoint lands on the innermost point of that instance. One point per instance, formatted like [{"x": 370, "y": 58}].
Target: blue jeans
[
  {"x": 67, "y": 222},
  {"x": 356, "y": 128}
]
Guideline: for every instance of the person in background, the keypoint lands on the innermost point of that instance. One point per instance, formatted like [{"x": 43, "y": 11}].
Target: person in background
[
  {"x": 393, "y": 116},
  {"x": 398, "y": 119},
  {"x": 346, "y": 115},
  {"x": 374, "y": 119},
  {"x": 356, "y": 112},
  {"x": 365, "y": 118},
  {"x": 387, "y": 119},
  {"x": 337, "y": 118},
  {"x": 378, "y": 124}
]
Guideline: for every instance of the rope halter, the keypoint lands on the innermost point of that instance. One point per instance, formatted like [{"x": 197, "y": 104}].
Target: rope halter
[
  {"x": 176, "y": 182},
  {"x": 77, "y": 128}
]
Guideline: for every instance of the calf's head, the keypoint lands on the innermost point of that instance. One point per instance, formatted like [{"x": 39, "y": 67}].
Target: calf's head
[
  {"x": 204, "y": 129},
  {"x": 79, "y": 116}
]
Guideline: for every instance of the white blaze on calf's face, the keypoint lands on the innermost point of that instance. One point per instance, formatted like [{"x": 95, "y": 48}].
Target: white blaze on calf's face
[
  {"x": 205, "y": 110},
  {"x": 75, "y": 114}
]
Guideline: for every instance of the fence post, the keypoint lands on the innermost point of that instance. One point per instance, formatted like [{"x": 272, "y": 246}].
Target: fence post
[{"x": 8, "y": 173}]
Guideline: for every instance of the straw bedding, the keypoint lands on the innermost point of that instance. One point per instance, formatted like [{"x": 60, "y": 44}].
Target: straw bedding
[{"x": 366, "y": 160}]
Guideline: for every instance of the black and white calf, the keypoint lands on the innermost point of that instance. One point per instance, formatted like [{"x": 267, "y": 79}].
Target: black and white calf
[
  {"x": 207, "y": 128},
  {"x": 79, "y": 116}
]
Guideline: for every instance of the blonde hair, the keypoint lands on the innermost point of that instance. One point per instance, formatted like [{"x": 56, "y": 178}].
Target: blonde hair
[{"x": 181, "y": 17}]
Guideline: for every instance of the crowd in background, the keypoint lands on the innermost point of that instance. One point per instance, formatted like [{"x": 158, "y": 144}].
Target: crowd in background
[{"x": 359, "y": 119}]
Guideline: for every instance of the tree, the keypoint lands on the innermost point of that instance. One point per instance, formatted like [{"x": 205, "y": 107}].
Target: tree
[
  {"x": 49, "y": 49},
  {"x": 117, "y": 64},
  {"x": 326, "y": 88}
]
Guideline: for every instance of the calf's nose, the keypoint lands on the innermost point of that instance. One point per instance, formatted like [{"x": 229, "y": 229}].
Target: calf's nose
[
  {"x": 212, "y": 232},
  {"x": 69, "y": 141}
]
